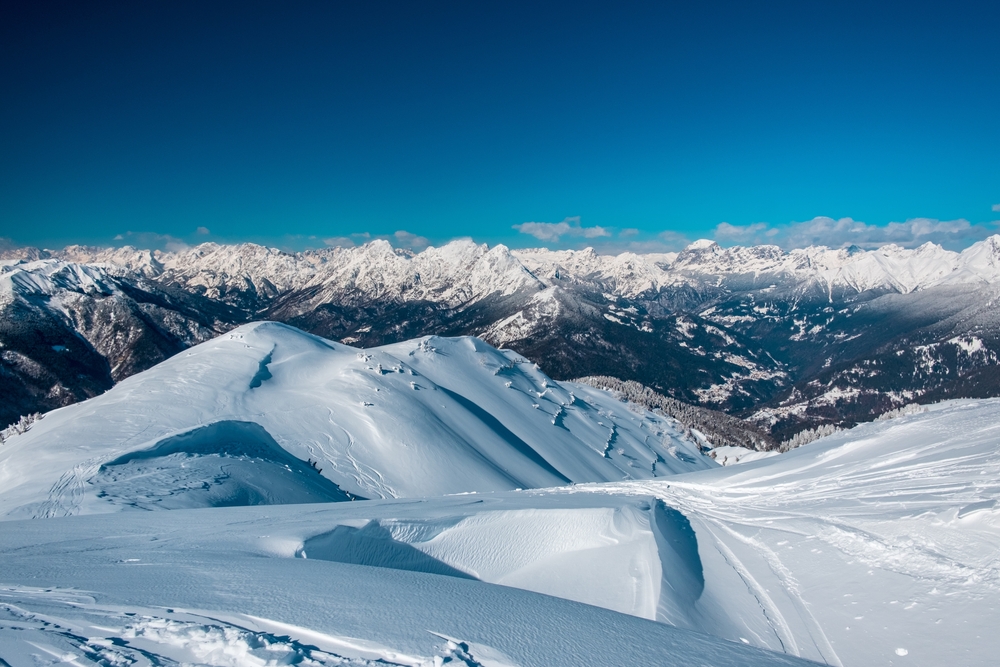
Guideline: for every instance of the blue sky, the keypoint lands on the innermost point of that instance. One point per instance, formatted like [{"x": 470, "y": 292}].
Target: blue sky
[{"x": 633, "y": 125}]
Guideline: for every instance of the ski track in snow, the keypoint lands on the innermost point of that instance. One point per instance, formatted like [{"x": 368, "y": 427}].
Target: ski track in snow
[
  {"x": 907, "y": 511},
  {"x": 367, "y": 478}
]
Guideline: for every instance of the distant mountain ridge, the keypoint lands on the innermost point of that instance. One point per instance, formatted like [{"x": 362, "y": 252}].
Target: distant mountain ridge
[
  {"x": 788, "y": 339},
  {"x": 503, "y": 270}
]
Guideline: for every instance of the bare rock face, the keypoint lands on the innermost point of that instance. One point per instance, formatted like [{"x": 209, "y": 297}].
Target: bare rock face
[{"x": 789, "y": 340}]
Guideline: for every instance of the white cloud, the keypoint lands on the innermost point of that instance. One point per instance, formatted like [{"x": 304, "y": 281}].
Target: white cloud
[
  {"x": 642, "y": 244},
  {"x": 202, "y": 231},
  {"x": 553, "y": 231},
  {"x": 399, "y": 239},
  {"x": 996, "y": 207},
  {"x": 151, "y": 241},
  {"x": 404, "y": 239},
  {"x": 672, "y": 240},
  {"x": 339, "y": 242},
  {"x": 824, "y": 231},
  {"x": 744, "y": 233}
]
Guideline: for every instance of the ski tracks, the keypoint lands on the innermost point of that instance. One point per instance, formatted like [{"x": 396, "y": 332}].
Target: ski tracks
[
  {"x": 366, "y": 477},
  {"x": 66, "y": 495},
  {"x": 789, "y": 585}
]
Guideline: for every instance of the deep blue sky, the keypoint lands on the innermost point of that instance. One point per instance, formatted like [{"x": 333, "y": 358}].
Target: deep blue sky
[{"x": 283, "y": 121}]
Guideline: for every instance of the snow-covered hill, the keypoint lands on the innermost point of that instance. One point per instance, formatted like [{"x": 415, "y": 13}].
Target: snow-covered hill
[
  {"x": 874, "y": 546},
  {"x": 220, "y": 423},
  {"x": 790, "y": 339}
]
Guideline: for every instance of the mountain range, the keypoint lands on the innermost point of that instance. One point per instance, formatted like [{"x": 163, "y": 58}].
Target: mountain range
[{"x": 784, "y": 340}]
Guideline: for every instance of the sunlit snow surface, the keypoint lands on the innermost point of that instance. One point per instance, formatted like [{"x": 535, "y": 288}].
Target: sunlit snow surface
[
  {"x": 878, "y": 545},
  {"x": 875, "y": 546},
  {"x": 420, "y": 418}
]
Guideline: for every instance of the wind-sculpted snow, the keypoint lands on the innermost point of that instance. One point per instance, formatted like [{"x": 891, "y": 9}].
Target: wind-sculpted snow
[
  {"x": 861, "y": 547},
  {"x": 225, "y": 463},
  {"x": 872, "y": 546},
  {"x": 145, "y": 610},
  {"x": 425, "y": 417}
]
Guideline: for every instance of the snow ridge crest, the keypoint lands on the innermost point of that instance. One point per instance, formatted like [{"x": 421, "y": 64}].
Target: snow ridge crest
[{"x": 462, "y": 271}]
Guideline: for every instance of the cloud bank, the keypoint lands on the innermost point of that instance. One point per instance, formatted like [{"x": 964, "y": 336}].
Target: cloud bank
[
  {"x": 824, "y": 231},
  {"x": 553, "y": 231},
  {"x": 151, "y": 241},
  {"x": 399, "y": 239}
]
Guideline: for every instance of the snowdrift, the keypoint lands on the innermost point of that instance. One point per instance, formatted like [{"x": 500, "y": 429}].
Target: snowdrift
[
  {"x": 873, "y": 546},
  {"x": 252, "y": 586},
  {"x": 242, "y": 418}
]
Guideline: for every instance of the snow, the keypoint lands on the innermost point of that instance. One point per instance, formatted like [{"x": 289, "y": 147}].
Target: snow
[
  {"x": 731, "y": 455},
  {"x": 845, "y": 551},
  {"x": 970, "y": 344},
  {"x": 204, "y": 587},
  {"x": 877, "y": 545},
  {"x": 420, "y": 418},
  {"x": 869, "y": 540},
  {"x": 462, "y": 273}
]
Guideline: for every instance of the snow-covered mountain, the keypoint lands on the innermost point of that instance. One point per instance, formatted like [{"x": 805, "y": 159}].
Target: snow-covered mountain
[
  {"x": 269, "y": 414},
  {"x": 791, "y": 339}
]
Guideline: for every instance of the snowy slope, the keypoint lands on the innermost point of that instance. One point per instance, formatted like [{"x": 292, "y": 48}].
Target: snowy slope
[
  {"x": 224, "y": 587},
  {"x": 420, "y": 418},
  {"x": 878, "y": 545},
  {"x": 875, "y": 546}
]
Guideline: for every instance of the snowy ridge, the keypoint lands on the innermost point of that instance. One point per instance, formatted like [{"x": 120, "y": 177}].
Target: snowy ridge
[
  {"x": 456, "y": 273},
  {"x": 462, "y": 270},
  {"x": 52, "y": 277},
  {"x": 425, "y": 417},
  {"x": 889, "y": 267}
]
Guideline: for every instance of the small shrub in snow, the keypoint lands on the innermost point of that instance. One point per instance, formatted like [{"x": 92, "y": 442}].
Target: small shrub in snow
[
  {"x": 713, "y": 428},
  {"x": 909, "y": 409},
  {"x": 807, "y": 436},
  {"x": 20, "y": 426}
]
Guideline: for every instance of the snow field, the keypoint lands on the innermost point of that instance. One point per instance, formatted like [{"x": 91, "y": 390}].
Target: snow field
[
  {"x": 880, "y": 539},
  {"x": 206, "y": 587}
]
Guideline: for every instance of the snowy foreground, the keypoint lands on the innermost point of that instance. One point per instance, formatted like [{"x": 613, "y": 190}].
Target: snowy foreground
[{"x": 875, "y": 546}]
